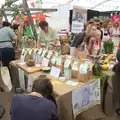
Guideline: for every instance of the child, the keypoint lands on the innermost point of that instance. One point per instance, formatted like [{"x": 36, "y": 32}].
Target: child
[{"x": 94, "y": 46}]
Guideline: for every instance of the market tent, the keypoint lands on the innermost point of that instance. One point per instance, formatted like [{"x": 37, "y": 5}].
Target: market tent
[{"x": 100, "y": 5}]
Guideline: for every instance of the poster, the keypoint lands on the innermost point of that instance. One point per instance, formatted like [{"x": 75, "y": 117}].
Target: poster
[
  {"x": 85, "y": 97},
  {"x": 79, "y": 18}
]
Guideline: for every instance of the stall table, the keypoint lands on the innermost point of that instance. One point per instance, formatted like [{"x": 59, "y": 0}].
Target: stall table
[{"x": 64, "y": 96}]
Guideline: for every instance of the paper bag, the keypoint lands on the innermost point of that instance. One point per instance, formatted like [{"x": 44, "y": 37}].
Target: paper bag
[
  {"x": 83, "y": 74},
  {"x": 74, "y": 69}
]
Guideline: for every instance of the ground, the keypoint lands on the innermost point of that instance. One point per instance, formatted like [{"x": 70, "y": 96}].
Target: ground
[{"x": 6, "y": 99}]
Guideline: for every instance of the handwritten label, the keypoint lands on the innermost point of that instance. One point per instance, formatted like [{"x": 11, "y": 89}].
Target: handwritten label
[{"x": 55, "y": 72}]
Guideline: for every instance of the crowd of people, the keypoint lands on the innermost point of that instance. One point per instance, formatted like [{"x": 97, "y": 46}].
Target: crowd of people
[{"x": 96, "y": 32}]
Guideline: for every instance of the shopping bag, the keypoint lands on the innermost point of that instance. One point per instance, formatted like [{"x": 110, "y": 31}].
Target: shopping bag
[{"x": 5, "y": 79}]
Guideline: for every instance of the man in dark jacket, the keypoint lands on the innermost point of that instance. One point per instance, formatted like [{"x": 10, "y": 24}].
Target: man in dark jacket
[{"x": 37, "y": 105}]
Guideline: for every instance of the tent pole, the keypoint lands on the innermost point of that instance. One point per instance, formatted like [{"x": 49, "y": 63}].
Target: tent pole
[{"x": 25, "y": 5}]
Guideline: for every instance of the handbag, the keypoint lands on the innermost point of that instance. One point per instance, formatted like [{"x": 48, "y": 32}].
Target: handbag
[{"x": 5, "y": 79}]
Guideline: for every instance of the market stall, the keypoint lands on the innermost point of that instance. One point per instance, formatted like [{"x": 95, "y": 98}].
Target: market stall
[{"x": 69, "y": 77}]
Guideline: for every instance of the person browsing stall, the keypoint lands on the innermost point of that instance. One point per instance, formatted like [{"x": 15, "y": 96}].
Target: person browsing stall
[
  {"x": 81, "y": 38},
  {"x": 47, "y": 35},
  {"x": 94, "y": 46},
  {"x": 37, "y": 105},
  {"x": 7, "y": 52}
]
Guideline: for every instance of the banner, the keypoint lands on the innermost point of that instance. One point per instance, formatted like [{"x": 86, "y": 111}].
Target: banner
[
  {"x": 79, "y": 18},
  {"x": 115, "y": 18},
  {"x": 85, "y": 97}
]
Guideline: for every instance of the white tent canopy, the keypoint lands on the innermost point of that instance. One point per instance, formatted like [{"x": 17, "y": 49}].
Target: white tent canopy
[{"x": 100, "y": 5}]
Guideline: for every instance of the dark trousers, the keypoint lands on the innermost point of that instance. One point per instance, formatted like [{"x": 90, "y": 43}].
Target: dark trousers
[{"x": 7, "y": 55}]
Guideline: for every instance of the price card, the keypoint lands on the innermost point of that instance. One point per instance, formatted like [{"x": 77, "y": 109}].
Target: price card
[
  {"x": 40, "y": 51},
  {"x": 75, "y": 66},
  {"x": 83, "y": 68},
  {"x": 44, "y": 52},
  {"x": 45, "y": 62},
  {"x": 49, "y": 54},
  {"x": 55, "y": 72},
  {"x": 59, "y": 60},
  {"x": 67, "y": 63},
  {"x": 53, "y": 60}
]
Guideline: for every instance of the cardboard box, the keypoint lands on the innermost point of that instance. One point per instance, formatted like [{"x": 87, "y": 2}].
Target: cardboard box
[
  {"x": 83, "y": 77},
  {"x": 74, "y": 74},
  {"x": 90, "y": 74}
]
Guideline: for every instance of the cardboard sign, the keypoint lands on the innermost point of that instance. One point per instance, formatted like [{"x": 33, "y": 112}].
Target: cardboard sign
[
  {"x": 45, "y": 62},
  {"x": 55, "y": 72},
  {"x": 83, "y": 68}
]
